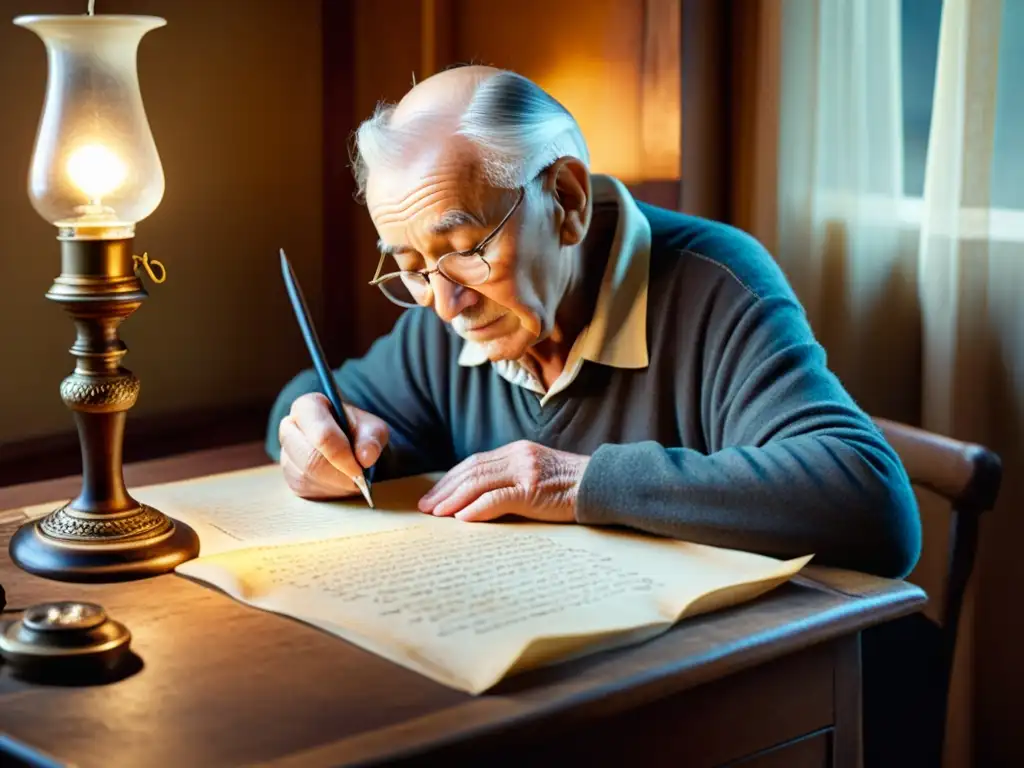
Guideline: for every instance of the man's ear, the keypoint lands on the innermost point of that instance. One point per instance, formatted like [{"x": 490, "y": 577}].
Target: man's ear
[{"x": 570, "y": 185}]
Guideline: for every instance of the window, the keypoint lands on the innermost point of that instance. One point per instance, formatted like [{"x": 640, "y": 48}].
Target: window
[
  {"x": 920, "y": 21},
  {"x": 919, "y": 30},
  {"x": 1007, "y": 185}
]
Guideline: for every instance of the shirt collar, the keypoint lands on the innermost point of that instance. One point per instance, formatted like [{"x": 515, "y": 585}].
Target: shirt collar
[{"x": 617, "y": 333}]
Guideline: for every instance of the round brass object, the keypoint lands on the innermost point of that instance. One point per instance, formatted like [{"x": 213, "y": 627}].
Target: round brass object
[{"x": 64, "y": 640}]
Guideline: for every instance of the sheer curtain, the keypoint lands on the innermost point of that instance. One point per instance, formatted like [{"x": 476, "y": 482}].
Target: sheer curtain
[
  {"x": 971, "y": 263},
  {"x": 841, "y": 237},
  {"x": 917, "y": 300}
]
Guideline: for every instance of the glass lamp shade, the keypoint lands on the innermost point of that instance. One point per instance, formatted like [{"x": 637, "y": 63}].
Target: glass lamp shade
[{"x": 95, "y": 169}]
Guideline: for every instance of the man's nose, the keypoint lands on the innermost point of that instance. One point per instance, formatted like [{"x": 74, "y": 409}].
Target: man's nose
[{"x": 451, "y": 299}]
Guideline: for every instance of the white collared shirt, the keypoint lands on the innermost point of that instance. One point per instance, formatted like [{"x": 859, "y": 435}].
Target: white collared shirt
[{"x": 617, "y": 333}]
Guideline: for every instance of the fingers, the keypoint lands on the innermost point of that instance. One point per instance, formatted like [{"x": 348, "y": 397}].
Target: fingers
[
  {"x": 370, "y": 433},
  {"x": 459, "y": 475},
  {"x": 316, "y": 457},
  {"x": 491, "y": 506},
  {"x": 487, "y": 477},
  {"x": 304, "y": 486},
  {"x": 314, "y": 418},
  {"x": 306, "y": 470}
]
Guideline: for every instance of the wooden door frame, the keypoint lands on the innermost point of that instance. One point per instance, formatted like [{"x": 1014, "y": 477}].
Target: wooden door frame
[{"x": 338, "y": 285}]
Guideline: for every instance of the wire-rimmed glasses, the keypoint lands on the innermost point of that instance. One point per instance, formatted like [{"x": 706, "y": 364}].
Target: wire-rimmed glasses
[{"x": 467, "y": 268}]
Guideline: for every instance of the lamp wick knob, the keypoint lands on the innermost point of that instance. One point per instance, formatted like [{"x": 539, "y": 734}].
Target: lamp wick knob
[{"x": 148, "y": 265}]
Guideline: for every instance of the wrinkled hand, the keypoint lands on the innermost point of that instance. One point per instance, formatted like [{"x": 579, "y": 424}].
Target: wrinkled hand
[
  {"x": 316, "y": 458},
  {"x": 523, "y": 478}
]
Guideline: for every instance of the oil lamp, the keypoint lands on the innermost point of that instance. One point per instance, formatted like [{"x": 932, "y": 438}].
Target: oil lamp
[{"x": 95, "y": 173}]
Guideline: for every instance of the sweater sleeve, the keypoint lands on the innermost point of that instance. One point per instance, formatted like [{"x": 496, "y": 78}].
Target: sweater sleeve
[
  {"x": 395, "y": 381},
  {"x": 792, "y": 466}
]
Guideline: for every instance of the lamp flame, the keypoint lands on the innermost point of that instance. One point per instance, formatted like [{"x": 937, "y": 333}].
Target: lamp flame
[{"x": 96, "y": 170}]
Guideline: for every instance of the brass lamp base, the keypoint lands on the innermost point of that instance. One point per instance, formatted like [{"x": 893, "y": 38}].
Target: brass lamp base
[
  {"x": 100, "y": 560},
  {"x": 103, "y": 534}
]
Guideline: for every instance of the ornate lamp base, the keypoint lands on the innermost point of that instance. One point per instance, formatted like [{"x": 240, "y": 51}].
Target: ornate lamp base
[
  {"x": 103, "y": 534},
  {"x": 60, "y": 546}
]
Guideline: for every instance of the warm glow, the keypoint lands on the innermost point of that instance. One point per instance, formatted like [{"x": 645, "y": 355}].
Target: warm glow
[
  {"x": 619, "y": 74},
  {"x": 96, "y": 170},
  {"x": 94, "y": 165}
]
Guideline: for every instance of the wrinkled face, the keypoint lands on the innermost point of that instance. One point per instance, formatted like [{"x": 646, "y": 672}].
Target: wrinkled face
[{"x": 439, "y": 203}]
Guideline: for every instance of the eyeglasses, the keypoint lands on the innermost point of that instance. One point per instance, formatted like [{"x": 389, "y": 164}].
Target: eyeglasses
[{"x": 467, "y": 268}]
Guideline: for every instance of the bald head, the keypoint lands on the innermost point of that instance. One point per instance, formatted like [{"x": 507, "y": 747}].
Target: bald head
[
  {"x": 447, "y": 93},
  {"x": 499, "y": 120}
]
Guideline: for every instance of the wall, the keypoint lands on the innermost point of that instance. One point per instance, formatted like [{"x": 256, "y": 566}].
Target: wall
[{"x": 234, "y": 101}]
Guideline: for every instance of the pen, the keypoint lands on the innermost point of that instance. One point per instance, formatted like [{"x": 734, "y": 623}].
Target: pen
[
  {"x": 327, "y": 382},
  {"x": 23, "y": 754}
]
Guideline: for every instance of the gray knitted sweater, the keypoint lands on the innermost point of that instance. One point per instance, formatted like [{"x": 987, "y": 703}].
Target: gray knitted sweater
[{"x": 736, "y": 434}]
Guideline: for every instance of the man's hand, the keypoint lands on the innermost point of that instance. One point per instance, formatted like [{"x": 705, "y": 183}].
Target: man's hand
[
  {"x": 317, "y": 460},
  {"x": 523, "y": 478}
]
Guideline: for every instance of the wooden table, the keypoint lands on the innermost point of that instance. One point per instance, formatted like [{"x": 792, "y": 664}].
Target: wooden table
[{"x": 773, "y": 683}]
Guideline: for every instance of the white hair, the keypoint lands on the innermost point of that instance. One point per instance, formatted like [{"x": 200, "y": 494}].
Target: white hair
[{"x": 518, "y": 128}]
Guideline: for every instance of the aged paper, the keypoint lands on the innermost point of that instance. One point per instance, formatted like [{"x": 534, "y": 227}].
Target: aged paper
[
  {"x": 254, "y": 506},
  {"x": 462, "y": 603}
]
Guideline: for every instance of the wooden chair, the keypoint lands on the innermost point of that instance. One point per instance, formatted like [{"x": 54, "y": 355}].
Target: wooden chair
[{"x": 915, "y": 656}]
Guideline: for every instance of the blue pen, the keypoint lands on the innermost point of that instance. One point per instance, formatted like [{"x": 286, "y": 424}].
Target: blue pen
[
  {"x": 25, "y": 755},
  {"x": 327, "y": 382}
]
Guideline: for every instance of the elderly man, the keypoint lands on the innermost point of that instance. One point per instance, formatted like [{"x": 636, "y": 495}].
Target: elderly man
[{"x": 571, "y": 355}]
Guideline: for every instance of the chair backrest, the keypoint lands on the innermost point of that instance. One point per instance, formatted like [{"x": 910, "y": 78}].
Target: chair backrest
[{"x": 968, "y": 477}]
